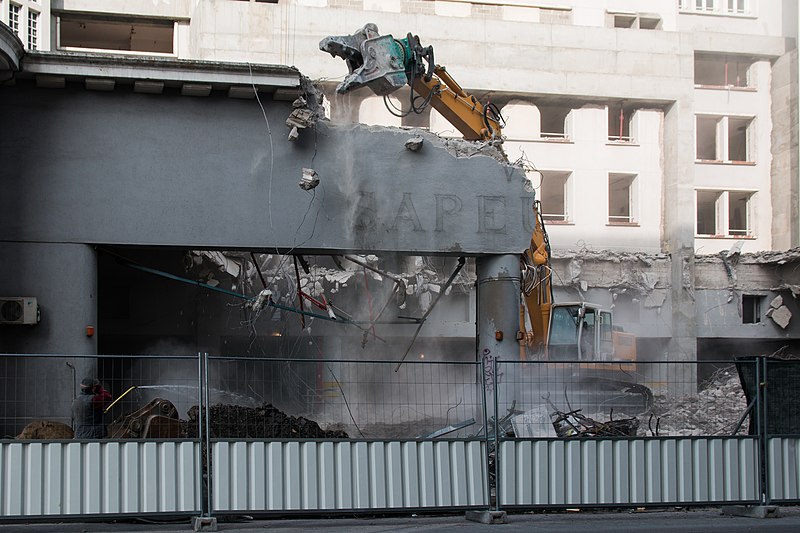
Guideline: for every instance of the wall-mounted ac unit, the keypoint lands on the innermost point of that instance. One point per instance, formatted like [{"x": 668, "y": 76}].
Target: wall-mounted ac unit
[{"x": 19, "y": 310}]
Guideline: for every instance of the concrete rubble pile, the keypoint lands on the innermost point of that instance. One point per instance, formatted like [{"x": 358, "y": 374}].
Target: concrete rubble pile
[
  {"x": 263, "y": 422},
  {"x": 714, "y": 410}
]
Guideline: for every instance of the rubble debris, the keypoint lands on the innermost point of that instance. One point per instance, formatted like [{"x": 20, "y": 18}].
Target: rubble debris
[
  {"x": 414, "y": 143},
  {"x": 45, "y": 430},
  {"x": 306, "y": 109},
  {"x": 309, "y": 180},
  {"x": 714, "y": 410},
  {"x": 264, "y": 422},
  {"x": 778, "y": 312},
  {"x": 780, "y": 316},
  {"x": 574, "y": 424}
]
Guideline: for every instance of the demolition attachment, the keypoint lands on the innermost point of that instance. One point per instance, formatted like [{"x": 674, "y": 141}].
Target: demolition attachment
[{"x": 385, "y": 64}]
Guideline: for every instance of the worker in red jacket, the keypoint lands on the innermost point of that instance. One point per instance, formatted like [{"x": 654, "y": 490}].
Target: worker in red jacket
[{"x": 88, "y": 408}]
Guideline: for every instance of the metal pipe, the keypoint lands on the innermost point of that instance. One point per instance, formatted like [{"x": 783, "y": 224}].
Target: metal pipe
[
  {"x": 121, "y": 396},
  {"x": 496, "y": 438}
]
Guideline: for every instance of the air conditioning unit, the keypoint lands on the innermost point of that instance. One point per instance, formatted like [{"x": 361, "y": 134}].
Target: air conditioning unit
[{"x": 19, "y": 310}]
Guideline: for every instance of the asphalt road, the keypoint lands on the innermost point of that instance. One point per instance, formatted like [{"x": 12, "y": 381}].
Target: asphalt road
[{"x": 705, "y": 520}]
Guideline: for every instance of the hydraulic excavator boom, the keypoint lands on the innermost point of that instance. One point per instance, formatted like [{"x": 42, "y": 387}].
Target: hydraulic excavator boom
[{"x": 385, "y": 64}]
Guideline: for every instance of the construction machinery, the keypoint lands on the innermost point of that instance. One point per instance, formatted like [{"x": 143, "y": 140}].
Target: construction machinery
[
  {"x": 156, "y": 420},
  {"x": 385, "y": 64},
  {"x": 577, "y": 331}
]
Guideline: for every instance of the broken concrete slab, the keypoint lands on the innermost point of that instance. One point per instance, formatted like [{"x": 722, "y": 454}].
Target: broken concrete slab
[
  {"x": 776, "y": 302},
  {"x": 752, "y": 511},
  {"x": 781, "y": 316},
  {"x": 414, "y": 143},
  {"x": 487, "y": 517}
]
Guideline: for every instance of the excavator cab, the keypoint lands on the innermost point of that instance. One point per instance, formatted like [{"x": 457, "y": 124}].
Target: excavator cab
[
  {"x": 580, "y": 332},
  {"x": 585, "y": 332}
]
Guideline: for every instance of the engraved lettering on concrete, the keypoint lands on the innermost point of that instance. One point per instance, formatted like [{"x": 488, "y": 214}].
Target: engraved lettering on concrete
[
  {"x": 366, "y": 216},
  {"x": 446, "y": 205},
  {"x": 491, "y": 214},
  {"x": 406, "y": 213},
  {"x": 528, "y": 220}
]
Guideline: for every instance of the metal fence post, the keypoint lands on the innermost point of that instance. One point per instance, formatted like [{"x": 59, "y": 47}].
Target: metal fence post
[
  {"x": 496, "y": 437},
  {"x": 486, "y": 431},
  {"x": 764, "y": 426},
  {"x": 208, "y": 435},
  {"x": 200, "y": 432}
]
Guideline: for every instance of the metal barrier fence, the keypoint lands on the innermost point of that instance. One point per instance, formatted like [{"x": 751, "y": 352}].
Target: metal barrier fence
[{"x": 270, "y": 435}]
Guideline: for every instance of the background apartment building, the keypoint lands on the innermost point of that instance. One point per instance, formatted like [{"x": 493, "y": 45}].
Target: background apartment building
[{"x": 652, "y": 125}]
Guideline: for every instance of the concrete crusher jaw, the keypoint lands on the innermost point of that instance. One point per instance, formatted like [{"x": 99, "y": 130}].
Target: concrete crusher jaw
[
  {"x": 375, "y": 61},
  {"x": 156, "y": 420}
]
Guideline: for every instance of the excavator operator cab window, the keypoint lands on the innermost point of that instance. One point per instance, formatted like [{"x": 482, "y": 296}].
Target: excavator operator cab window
[
  {"x": 565, "y": 322},
  {"x": 588, "y": 336},
  {"x": 606, "y": 348}
]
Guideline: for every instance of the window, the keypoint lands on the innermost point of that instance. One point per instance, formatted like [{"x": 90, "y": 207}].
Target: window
[
  {"x": 619, "y": 122},
  {"x": 718, "y": 7},
  {"x": 622, "y": 199},
  {"x": 724, "y": 139},
  {"x": 624, "y": 21},
  {"x": 644, "y": 21},
  {"x": 706, "y": 132},
  {"x": 725, "y": 213},
  {"x": 738, "y": 213},
  {"x": 553, "y": 193},
  {"x": 738, "y": 7},
  {"x": 707, "y": 212},
  {"x": 117, "y": 33},
  {"x": 704, "y": 5},
  {"x": 722, "y": 71},
  {"x": 33, "y": 19},
  {"x": 13, "y": 17},
  {"x": 751, "y": 308},
  {"x": 553, "y": 122}
]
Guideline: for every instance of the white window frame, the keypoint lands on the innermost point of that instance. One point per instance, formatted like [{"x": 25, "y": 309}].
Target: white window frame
[
  {"x": 728, "y": 8},
  {"x": 722, "y": 215},
  {"x": 566, "y": 216},
  {"x": 633, "y": 200},
  {"x": 13, "y": 21},
  {"x": 723, "y": 138},
  {"x": 33, "y": 29}
]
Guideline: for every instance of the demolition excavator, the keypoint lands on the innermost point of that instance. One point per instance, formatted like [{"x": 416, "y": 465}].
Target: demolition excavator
[{"x": 573, "y": 331}]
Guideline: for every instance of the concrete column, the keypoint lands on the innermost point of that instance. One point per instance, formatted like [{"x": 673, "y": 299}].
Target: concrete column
[
  {"x": 497, "y": 301},
  {"x": 679, "y": 217}
]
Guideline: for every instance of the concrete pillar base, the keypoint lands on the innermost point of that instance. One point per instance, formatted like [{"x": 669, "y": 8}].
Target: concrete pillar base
[
  {"x": 204, "y": 523},
  {"x": 487, "y": 517},
  {"x": 752, "y": 511}
]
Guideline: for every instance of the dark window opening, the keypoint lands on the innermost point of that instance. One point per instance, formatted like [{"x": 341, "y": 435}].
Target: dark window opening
[
  {"x": 553, "y": 121},
  {"x": 707, "y": 212},
  {"x": 619, "y": 122},
  {"x": 722, "y": 71},
  {"x": 553, "y": 192},
  {"x": 751, "y": 308},
  {"x": 707, "y": 138}
]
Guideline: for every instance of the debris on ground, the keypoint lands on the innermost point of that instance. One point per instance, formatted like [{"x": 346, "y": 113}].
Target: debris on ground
[
  {"x": 714, "y": 410},
  {"x": 46, "y": 430},
  {"x": 264, "y": 422},
  {"x": 574, "y": 424}
]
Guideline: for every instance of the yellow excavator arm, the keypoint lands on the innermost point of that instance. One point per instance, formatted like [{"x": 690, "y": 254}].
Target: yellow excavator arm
[
  {"x": 537, "y": 288},
  {"x": 385, "y": 64}
]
